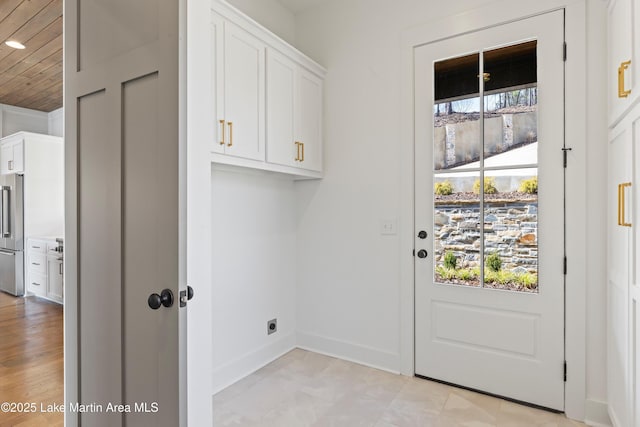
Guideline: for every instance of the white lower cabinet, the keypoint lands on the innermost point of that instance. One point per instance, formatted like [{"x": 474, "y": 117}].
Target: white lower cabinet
[
  {"x": 45, "y": 272},
  {"x": 37, "y": 284},
  {"x": 54, "y": 278}
]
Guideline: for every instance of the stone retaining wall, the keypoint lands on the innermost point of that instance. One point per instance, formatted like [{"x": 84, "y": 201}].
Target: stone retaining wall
[{"x": 510, "y": 229}]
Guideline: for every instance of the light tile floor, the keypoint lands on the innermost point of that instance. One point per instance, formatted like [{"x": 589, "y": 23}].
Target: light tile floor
[{"x": 308, "y": 389}]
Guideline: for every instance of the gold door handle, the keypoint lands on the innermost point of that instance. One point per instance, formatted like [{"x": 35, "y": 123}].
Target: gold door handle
[
  {"x": 302, "y": 158},
  {"x": 297, "y": 159},
  {"x": 222, "y": 126},
  {"x": 622, "y": 204},
  {"x": 230, "y": 134},
  {"x": 621, "y": 69}
]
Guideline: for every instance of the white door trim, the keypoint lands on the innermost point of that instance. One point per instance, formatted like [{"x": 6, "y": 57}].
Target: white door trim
[{"x": 496, "y": 13}]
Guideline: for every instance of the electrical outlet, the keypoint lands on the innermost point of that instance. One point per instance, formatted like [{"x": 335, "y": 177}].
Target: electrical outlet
[{"x": 272, "y": 326}]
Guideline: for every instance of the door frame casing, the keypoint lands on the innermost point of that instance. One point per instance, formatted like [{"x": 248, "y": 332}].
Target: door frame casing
[{"x": 495, "y": 14}]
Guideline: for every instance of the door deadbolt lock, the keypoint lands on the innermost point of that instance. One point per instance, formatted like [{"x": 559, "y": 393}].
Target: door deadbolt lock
[
  {"x": 164, "y": 299},
  {"x": 422, "y": 234},
  {"x": 186, "y": 296},
  {"x": 422, "y": 253}
]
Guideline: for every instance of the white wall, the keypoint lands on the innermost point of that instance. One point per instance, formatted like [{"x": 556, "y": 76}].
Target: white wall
[
  {"x": 349, "y": 290},
  {"x": 56, "y": 122},
  {"x": 270, "y": 14},
  {"x": 596, "y": 202},
  {"x": 16, "y": 119},
  {"x": 253, "y": 270},
  {"x": 348, "y": 280}
]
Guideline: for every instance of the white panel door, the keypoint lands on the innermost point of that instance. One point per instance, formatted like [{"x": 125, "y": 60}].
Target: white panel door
[
  {"x": 618, "y": 272},
  {"x": 309, "y": 120},
  {"x": 244, "y": 77},
  {"x": 125, "y": 213},
  {"x": 489, "y": 283},
  {"x": 282, "y": 148},
  {"x": 630, "y": 208}
]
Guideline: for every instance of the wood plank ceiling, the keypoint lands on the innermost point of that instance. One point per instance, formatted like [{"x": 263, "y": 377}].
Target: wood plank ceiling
[{"x": 32, "y": 77}]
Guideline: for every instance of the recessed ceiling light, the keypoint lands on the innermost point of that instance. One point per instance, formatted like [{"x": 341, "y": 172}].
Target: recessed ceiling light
[{"x": 14, "y": 44}]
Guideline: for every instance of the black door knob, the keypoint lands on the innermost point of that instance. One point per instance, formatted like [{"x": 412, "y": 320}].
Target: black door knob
[
  {"x": 422, "y": 253},
  {"x": 422, "y": 234},
  {"x": 189, "y": 292},
  {"x": 165, "y": 298}
]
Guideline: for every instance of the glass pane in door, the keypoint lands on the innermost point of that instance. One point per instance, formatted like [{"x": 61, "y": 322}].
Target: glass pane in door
[
  {"x": 456, "y": 229},
  {"x": 456, "y": 112},
  {"x": 510, "y": 106},
  {"x": 510, "y": 168},
  {"x": 457, "y": 150}
]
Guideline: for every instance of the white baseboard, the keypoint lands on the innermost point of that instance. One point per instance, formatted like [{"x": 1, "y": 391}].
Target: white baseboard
[
  {"x": 235, "y": 370},
  {"x": 596, "y": 414},
  {"x": 614, "y": 420},
  {"x": 351, "y": 352}
]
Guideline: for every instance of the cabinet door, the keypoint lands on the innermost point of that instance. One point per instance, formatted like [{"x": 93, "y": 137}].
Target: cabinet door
[
  {"x": 620, "y": 51},
  {"x": 37, "y": 284},
  {"x": 54, "y": 279},
  {"x": 217, "y": 83},
  {"x": 37, "y": 263},
  {"x": 6, "y": 157},
  {"x": 634, "y": 267},
  {"x": 619, "y": 272},
  {"x": 18, "y": 157},
  {"x": 282, "y": 148},
  {"x": 243, "y": 93},
  {"x": 309, "y": 119}
]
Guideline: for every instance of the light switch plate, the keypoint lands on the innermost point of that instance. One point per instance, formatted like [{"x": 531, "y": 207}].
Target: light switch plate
[{"x": 388, "y": 227}]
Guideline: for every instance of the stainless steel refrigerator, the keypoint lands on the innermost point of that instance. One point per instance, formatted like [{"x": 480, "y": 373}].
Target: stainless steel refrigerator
[{"x": 12, "y": 234}]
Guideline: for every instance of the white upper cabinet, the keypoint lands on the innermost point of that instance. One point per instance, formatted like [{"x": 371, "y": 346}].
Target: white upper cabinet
[
  {"x": 623, "y": 73},
  {"x": 309, "y": 121},
  {"x": 239, "y": 98},
  {"x": 12, "y": 154},
  {"x": 267, "y": 99},
  {"x": 281, "y": 94},
  {"x": 217, "y": 83},
  {"x": 294, "y": 114}
]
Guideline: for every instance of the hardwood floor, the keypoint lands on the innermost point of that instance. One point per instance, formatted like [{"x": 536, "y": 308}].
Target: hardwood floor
[{"x": 31, "y": 359}]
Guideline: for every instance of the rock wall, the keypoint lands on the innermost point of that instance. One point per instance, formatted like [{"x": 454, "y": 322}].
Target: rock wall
[{"x": 510, "y": 229}]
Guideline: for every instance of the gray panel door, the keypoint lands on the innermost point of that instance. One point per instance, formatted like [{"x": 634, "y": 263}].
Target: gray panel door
[{"x": 125, "y": 209}]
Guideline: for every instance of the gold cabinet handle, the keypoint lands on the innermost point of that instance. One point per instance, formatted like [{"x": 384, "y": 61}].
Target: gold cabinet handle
[
  {"x": 621, "y": 69},
  {"x": 621, "y": 205},
  {"x": 302, "y": 158},
  {"x": 230, "y": 134},
  {"x": 297, "y": 159},
  {"x": 222, "y": 127}
]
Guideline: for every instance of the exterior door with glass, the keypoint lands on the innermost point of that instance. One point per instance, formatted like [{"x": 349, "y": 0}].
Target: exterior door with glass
[{"x": 489, "y": 210}]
